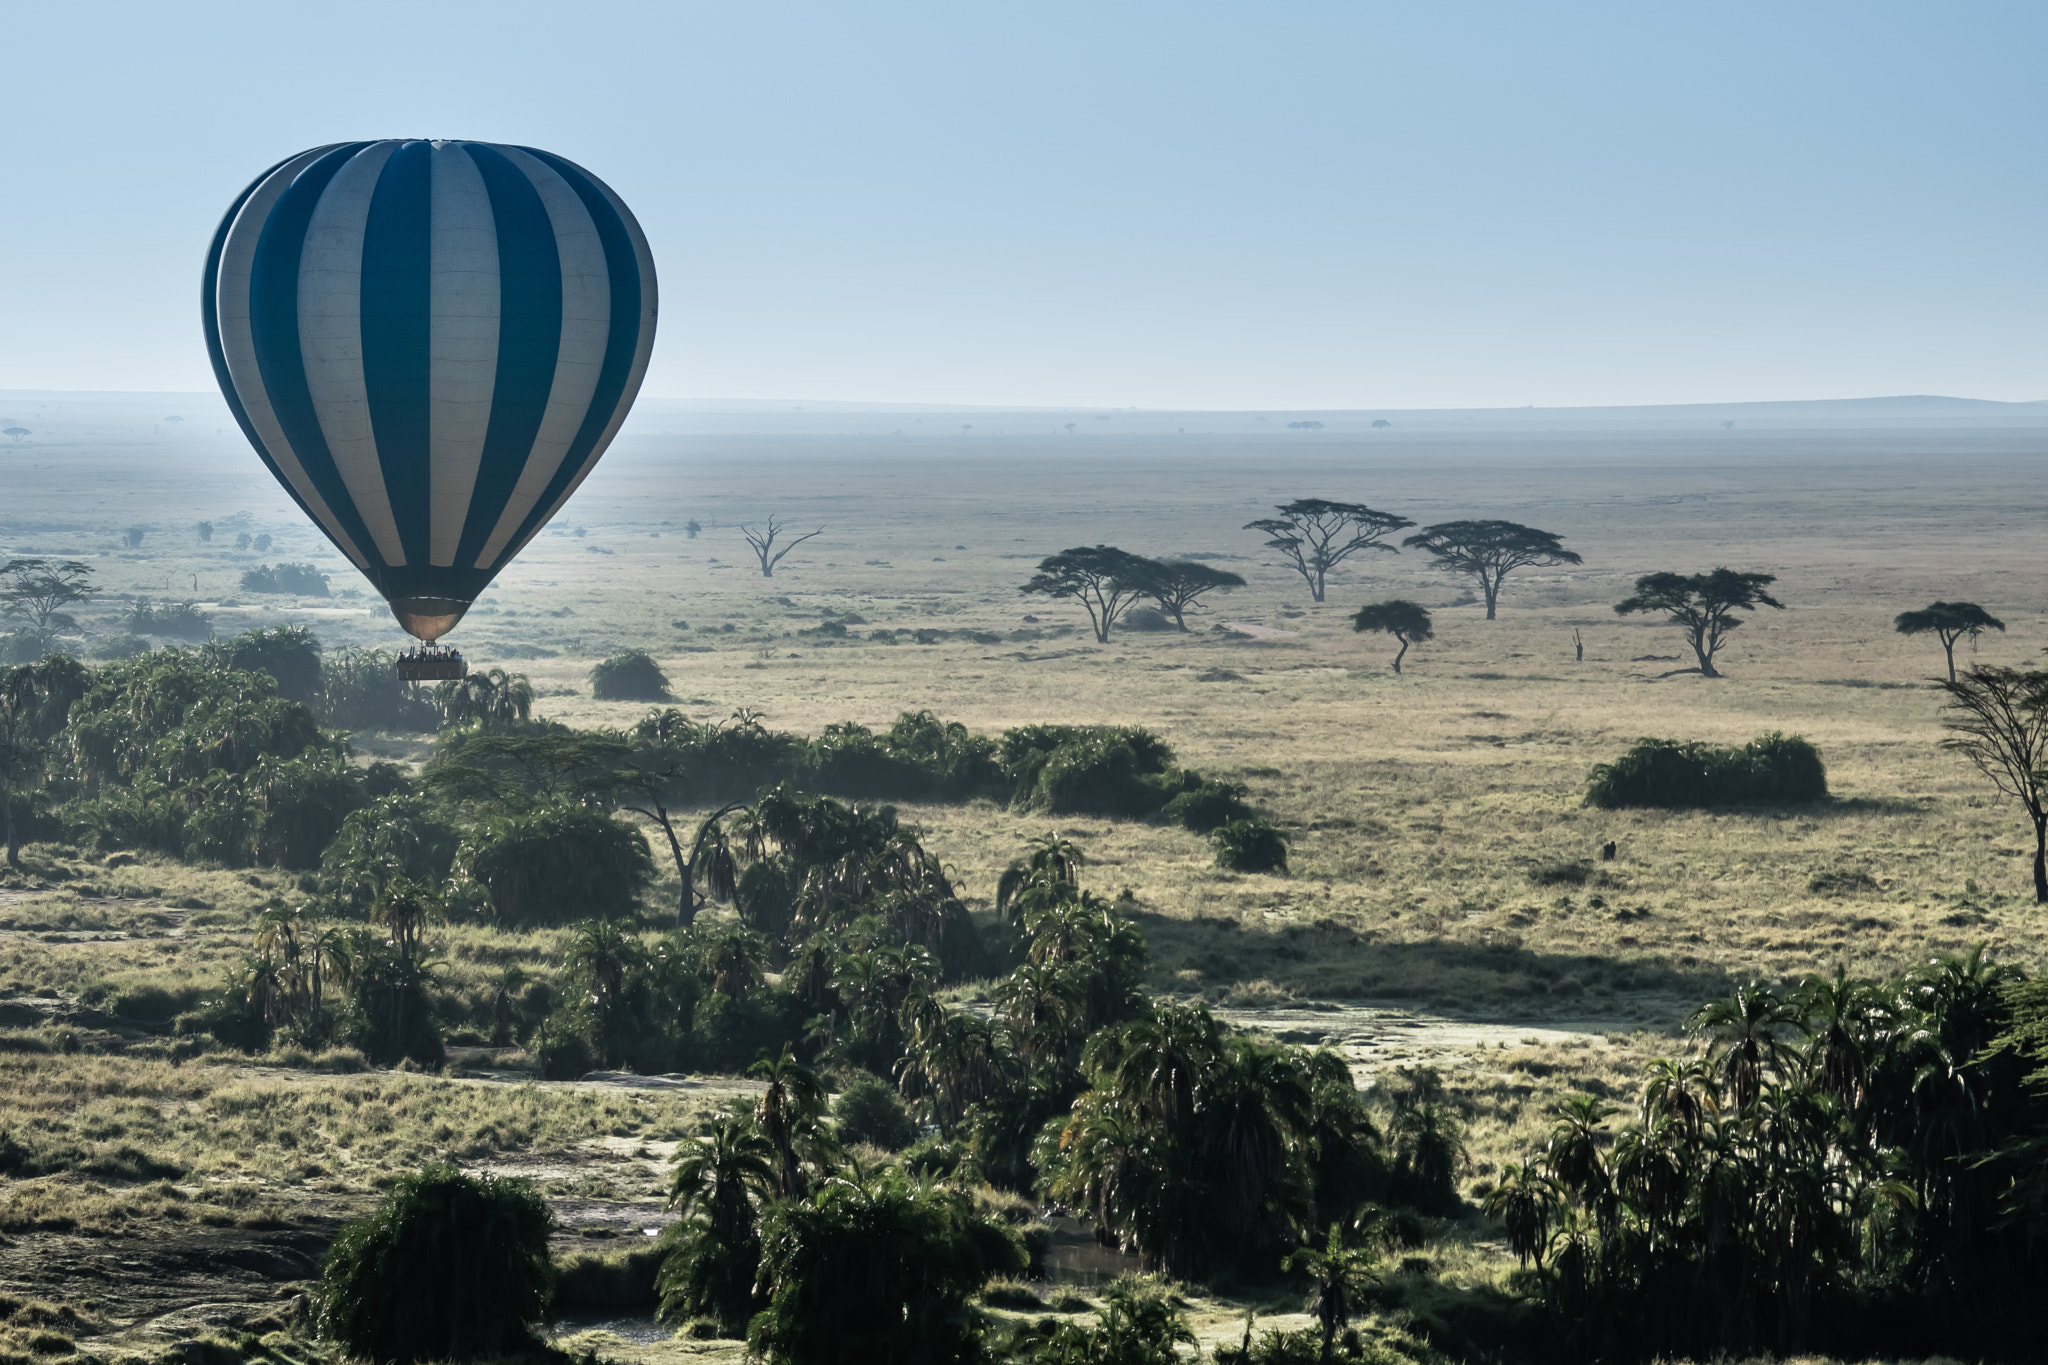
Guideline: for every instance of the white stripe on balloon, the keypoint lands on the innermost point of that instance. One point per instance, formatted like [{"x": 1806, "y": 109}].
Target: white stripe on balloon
[
  {"x": 586, "y": 317},
  {"x": 463, "y": 345},
  {"x": 331, "y": 339},
  {"x": 643, "y": 351},
  {"x": 238, "y": 346}
]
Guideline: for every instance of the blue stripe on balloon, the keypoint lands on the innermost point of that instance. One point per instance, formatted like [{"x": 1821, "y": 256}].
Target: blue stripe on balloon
[
  {"x": 529, "y": 340},
  {"x": 398, "y": 337},
  {"x": 622, "y": 339},
  {"x": 274, "y": 329}
]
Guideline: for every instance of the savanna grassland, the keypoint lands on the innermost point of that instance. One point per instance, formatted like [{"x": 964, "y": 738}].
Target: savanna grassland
[{"x": 1446, "y": 903}]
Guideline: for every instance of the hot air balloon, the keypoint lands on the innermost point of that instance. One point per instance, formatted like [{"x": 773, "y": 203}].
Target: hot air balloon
[{"x": 430, "y": 343}]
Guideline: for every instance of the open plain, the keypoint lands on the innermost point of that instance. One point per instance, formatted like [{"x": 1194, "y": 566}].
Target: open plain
[{"x": 1446, "y": 902}]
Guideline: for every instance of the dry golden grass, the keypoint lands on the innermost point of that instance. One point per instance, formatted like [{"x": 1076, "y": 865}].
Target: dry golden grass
[{"x": 1418, "y": 805}]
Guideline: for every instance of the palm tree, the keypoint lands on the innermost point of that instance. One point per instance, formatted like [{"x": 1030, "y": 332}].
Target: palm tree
[
  {"x": 1744, "y": 1026},
  {"x": 951, "y": 1064},
  {"x": 1039, "y": 1003},
  {"x": 788, "y": 1112},
  {"x": 1526, "y": 1203},
  {"x": 404, "y": 910},
  {"x": 1342, "y": 1277},
  {"x": 717, "y": 1249},
  {"x": 1052, "y": 868},
  {"x": 1683, "y": 1092}
]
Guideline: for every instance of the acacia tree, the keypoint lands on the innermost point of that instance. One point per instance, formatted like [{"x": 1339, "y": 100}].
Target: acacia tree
[
  {"x": 1177, "y": 584},
  {"x": 1950, "y": 622},
  {"x": 1998, "y": 719},
  {"x": 38, "y": 590},
  {"x": 1704, "y": 604},
  {"x": 1490, "y": 551},
  {"x": 763, "y": 540},
  {"x": 1105, "y": 580},
  {"x": 1317, "y": 535},
  {"x": 1406, "y": 621}
]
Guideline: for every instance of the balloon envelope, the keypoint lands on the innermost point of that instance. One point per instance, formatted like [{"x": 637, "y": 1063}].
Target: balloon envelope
[{"x": 430, "y": 344}]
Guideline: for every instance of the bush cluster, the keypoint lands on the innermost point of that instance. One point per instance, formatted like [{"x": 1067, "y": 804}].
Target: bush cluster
[
  {"x": 301, "y": 580},
  {"x": 1771, "y": 769}
]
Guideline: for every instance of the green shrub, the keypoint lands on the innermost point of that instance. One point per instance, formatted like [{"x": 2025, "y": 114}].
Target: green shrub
[
  {"x": 1771, "y": 769},
  {"x": 1208, "y": 806},
  {"x": 1249, "y": 846},
  {"x": 290, "y": 654},
  {"x": 934, "y": 1157},
  {"x": 360, "y": 690},
  {"x": 303, "y": 580},
  {"x": 173, "y": 620},
  {"x": 876, "y": 1270},
  {"x": 449, "y": 1267},
  {"x": 564, "y": 1055},
  {"x": 632, "y": 676},
  {"x": 557, "y": 863},
  {"x": 870, "y": 1111}
]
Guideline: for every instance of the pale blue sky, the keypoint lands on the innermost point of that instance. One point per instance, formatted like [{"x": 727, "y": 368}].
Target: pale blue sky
[{"x": 1304, "y": 205}]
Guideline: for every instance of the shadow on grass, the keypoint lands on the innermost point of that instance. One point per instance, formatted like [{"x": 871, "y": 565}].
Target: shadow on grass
[{"x": 1333, "y": 962}]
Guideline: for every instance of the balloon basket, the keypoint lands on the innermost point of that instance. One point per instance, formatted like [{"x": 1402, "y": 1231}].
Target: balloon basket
[{"x": 431, "y": 665}]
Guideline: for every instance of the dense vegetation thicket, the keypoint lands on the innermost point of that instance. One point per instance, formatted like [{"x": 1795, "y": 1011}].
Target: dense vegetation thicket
[
  {"x": 1773, "y": 768},
  {"x": 1851, "y": 1167}
]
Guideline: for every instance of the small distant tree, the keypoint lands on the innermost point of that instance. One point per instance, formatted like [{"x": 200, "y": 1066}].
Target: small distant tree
[
  {"x": 691, "y": 528},
  {"x": 134, "y": 536},
  {"x": 1178, "y": 584},
  {"x": 1317, "y": 535},
  {"x": 632, "y": 676},
  {"x": 1490, "y": 551},
  {"x": 262, "y": 543},
  {"x": 1380, "y": 424},
  {"x": 1998, "y": 719},
  {"x": 38, "y": 590},
  {"x": 242, "y": 540},
  {"x": 16, "y": 434},
  {"x": 302, "y": 580},
  {"x": 1704, "y": 604},
  {"x": 1406, "y": 621},
  {"x": 763, "y": 539},
  {"x": 1105, "y": 580},
  {"x": 206, "y": 533},
  {"x": 1949, "y": 622}
]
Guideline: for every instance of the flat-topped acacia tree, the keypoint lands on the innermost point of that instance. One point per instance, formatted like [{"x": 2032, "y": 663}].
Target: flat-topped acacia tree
[
  {"x": 1178, "y": 584},
  {"x": 1317, "y": 535},
  {"x": 1704, "y": 604},
  {"x": 1950, "y": 622},
  {"x": 1998, "y": 719},
  {"x": 1490, "y": 551},
  {"x": 1406, "y": 621},
  {"x": 1105, "y": 580}
]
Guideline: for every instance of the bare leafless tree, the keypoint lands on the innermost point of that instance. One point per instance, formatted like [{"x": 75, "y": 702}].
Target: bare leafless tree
[
  {"x": 763, "y": 540},
  {"x": 1998, "y": 719}
]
